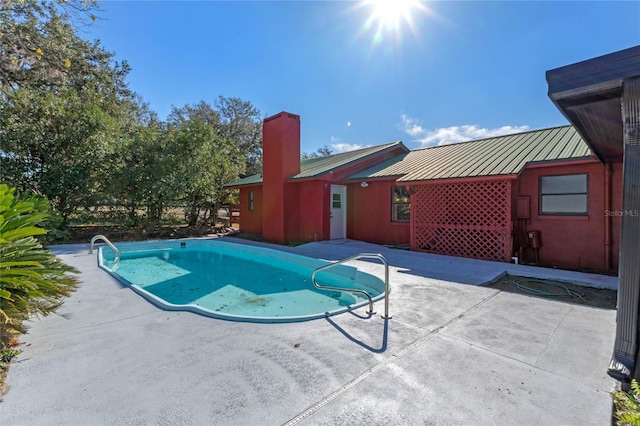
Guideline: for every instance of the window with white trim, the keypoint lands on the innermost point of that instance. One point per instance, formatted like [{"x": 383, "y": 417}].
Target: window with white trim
[
  {"x": 564, "y": 194},
  {"x": 250, "y": 201}
]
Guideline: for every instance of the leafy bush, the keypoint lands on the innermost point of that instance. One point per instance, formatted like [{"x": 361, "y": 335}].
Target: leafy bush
[
  {"x": 32, "y": 279},
  {"x": 6, "y": 355},
  {"x": 628, "y": 406}
]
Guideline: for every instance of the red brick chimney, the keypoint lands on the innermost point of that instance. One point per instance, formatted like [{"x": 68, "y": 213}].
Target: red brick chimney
[{"x": 280, "y": 161}]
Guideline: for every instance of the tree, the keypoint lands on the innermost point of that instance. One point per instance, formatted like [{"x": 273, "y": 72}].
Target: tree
[
  {"x": 203, "y": 159},
  {"x": 73, "y": 132},
  {"x": 140, "y": 170},
  {"x": 324, "y": 151},
  {"x": 32, "y": 279},
  {"x": 240, "y": 121},
  {"x": 54, "y": 145},
  {"x": 320, "y": 152},
  {"x": 28, "y": 41},
  {"x": 64, "y": 106}
]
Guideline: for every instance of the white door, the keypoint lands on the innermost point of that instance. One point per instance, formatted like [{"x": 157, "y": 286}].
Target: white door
[{"x": 338, "y": 201}]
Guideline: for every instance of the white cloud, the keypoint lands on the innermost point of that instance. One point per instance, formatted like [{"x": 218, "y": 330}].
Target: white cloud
[
  {"x": 344, "y": 147},
  {"x": 411, "y": 126},
  {"x": 339, "y": 145},
  {"x": 453, "y": 134}
]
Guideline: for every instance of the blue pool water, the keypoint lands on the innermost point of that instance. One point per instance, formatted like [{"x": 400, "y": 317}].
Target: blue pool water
[{"x": 236, "y": 281}]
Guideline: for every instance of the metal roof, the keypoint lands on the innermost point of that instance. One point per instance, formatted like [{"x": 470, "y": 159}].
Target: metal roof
[
  {"x": 503, "y": 155},
  {"x": 317, "y": 166},
  {"x": 249, "y": 180},
  {"x": 313, "y": 167}
]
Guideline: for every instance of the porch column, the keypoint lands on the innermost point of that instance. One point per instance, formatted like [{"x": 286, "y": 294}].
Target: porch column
[{"x": 624, "y": 362}]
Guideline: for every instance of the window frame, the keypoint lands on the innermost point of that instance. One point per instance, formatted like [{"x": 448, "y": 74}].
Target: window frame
[
  {"x": 395, "y": 204},
  {"x": 251, "y": 201},
  {"x": 335, "y": 200},
  {"x": 541, "y": 196}
]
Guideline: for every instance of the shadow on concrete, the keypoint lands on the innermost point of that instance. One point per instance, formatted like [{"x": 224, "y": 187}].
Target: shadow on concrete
[
  {"x": 385, "y": 333},
  {"x": 59, "y": 249}
]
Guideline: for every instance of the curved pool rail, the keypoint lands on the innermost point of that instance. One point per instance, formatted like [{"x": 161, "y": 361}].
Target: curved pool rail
[
  {"x": 311, "y": 263},
  {"x": 355, "y": 290},
  {"x": 106, "y": 240}
]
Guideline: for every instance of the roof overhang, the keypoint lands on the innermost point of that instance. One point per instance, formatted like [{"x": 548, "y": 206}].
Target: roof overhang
[
  {"x": 253, "y": 180},
  {"x": 458, "y": 179},
  {"x": 248, "y": 185},
  {"x": 589, "y": 94}
]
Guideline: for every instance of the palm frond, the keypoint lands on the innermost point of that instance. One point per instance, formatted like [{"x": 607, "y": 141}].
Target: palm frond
[{"x": 32, "y": 280}]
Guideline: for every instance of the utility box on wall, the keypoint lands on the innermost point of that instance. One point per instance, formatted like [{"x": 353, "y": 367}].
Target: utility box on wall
[{"x": 535, "y": 239}]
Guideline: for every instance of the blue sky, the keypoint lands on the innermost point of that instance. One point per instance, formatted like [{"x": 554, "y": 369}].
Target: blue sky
[{"x": 448, "y": 71}]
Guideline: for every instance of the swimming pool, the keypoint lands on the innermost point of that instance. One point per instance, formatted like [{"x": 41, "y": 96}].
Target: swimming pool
[{"x": 235, "y": 281}]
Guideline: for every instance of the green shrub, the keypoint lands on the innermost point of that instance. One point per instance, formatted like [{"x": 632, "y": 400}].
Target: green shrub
[
  {"x": 32, "y": 279},
  {"x": 627, "y": 406},
  {"x": 6, "y": 355}
]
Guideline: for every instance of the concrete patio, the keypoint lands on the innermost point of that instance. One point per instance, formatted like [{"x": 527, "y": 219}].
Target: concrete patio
[{"x": 453, "y": 353}]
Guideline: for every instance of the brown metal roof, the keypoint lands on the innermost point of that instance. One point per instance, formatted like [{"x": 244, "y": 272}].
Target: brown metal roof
[{"x": 503, "y": 155}]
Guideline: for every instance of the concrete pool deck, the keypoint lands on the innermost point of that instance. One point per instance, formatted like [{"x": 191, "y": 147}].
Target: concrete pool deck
[{"x": 453, "y": 353}]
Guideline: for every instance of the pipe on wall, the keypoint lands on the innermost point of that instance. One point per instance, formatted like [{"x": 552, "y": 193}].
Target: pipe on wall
[{"x": 607, "y": 217}]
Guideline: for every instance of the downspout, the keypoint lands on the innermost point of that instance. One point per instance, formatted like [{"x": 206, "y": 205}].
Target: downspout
[
  {"x": 623, "y": 363},
  {"x": 607, "y": 217},
  {"x": 508, "y": 238}
]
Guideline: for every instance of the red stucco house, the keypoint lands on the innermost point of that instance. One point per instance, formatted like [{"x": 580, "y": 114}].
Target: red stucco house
[{"x": 540, "y": 196}]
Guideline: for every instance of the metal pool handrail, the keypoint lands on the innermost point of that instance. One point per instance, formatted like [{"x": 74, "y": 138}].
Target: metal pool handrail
[
  {"x": 106, "y": 240},
  {"x": 356, "y": 290}
]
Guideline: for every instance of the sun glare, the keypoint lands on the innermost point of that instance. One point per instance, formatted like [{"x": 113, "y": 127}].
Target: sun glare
[
  {"x": 388, "y": 18},
  {"x": 389, "y": 12}
]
